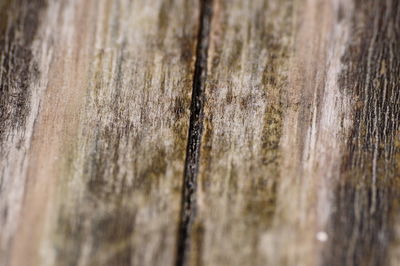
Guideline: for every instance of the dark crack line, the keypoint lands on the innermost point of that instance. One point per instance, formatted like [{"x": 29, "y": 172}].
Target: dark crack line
[{"x": 188, "y": 207}]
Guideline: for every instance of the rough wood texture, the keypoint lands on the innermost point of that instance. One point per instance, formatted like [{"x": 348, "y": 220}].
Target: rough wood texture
[
  {"x": 104, "y": 166},
  {"x": 200, "y": 132}
]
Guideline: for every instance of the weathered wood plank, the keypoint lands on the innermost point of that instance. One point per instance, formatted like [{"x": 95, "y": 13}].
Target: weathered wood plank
[
  {"x": 20, "y": 90},
  {"x": 249, "y": 45},
  {"x": 367, "y": 196},
  {"x": 288, "y": 155},
  {"x": 287, "y": 173},
  {"x": 105, "y": 164}
]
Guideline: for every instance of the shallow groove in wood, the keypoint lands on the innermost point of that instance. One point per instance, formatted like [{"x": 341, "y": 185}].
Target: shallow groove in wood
[{"x": 188, "y": 210}]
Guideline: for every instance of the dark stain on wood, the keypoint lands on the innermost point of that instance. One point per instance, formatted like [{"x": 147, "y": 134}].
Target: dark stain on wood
[
  {"x": 368, "y": 193},
  {"x": 19, "y": 21}
]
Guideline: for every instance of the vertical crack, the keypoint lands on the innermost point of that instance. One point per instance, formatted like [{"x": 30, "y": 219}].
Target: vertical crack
[{"x": 188, "y": 207}]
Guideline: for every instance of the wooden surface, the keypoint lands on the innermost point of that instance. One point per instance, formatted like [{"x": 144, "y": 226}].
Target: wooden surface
[{"x": 199, "y": 132}]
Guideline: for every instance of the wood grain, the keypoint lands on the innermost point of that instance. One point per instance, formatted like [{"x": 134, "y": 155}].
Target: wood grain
[
  {"x": 106, "y": 159},
  {"x": 369, "y": 184},
  {"x": 200, "y": 132}
]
